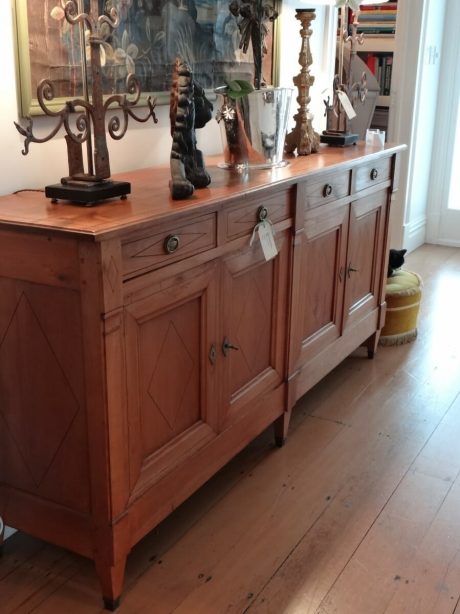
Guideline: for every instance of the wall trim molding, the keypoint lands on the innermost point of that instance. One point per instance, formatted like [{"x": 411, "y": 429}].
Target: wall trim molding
[
  {"x": 446, "y": 242},
  {"x": 414, "y": 234}
]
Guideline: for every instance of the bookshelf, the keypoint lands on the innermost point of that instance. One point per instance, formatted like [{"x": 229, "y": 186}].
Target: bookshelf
[{"x": 378, "y": 24}]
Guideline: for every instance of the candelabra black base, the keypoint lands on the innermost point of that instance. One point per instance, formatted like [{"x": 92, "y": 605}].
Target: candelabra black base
[
  {"x": 87, "y": 193},
  {"x": 338, "y": 139}
]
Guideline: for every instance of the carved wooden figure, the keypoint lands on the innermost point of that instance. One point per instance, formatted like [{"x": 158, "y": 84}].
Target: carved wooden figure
[{"x": 189, "y": 109}]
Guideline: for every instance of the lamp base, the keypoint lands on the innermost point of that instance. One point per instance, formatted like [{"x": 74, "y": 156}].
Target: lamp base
[
  {"x": 87, "y": 193},
  {"x": 338, "y": 139}
]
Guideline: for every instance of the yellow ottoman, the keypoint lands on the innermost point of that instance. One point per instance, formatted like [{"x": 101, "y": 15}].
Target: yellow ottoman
[{"x": 403, "y": 293}]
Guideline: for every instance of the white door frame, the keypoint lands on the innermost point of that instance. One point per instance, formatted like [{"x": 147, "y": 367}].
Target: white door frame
[
  {"x": 404, "y": 102},
  {"x": 444, "y": 142}
]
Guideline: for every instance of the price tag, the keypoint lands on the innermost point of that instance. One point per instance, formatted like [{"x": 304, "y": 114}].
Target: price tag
[
  {"x": 346, "y": 104},
  {"x": 266, "y": 236}
]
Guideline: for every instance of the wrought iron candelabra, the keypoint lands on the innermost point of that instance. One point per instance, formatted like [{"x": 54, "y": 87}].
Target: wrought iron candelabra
[
  {"x": 338, "y": 123},
  {"x": 88, "y": 127}
]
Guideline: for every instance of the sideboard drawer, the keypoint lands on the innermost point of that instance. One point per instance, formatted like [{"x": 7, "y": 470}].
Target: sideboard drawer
[
  {"x": 240, "y": 221},
  {"x": 372, "y": 173},
  {"x": 173, "y": 243},
  {"x": 327, "y": 188}
]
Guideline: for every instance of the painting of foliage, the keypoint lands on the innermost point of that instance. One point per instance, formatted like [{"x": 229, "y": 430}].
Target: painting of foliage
[{"x": 151, "y": 34}]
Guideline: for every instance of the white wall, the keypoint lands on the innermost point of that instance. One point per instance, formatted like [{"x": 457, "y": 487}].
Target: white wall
[{"x": 144, "y": 145}]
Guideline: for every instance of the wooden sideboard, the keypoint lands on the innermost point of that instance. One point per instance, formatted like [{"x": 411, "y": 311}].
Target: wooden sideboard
[{"x": 144, "y": 342}]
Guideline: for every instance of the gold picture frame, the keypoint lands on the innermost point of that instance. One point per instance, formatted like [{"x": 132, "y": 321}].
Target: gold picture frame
[{"x": 149, "y": 43}]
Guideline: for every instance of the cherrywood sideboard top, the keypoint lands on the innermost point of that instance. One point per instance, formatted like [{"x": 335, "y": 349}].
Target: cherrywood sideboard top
[{"x": 150, "y": 198}]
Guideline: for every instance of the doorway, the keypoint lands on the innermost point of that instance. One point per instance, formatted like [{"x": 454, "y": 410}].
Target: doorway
[{"x": 444, "y": 198}]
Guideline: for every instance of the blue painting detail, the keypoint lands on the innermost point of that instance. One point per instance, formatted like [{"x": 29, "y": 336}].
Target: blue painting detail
[{"x": 152, "y": 33}]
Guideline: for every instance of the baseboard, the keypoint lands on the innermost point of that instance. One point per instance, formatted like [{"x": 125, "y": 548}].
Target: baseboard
[
  {"x": 445, "y": 242},
  {"x": 414, "y": 234}
]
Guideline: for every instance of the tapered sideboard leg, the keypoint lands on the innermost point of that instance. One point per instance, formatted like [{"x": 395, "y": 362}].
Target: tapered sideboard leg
[
  {"x": 371, "y": 343},
  {"x": 111, "y": 580},
  {"x": 281, "y": 426}
]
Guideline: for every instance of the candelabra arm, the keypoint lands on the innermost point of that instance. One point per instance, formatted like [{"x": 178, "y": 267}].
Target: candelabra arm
[
  {"x": 94, "y": 184},
  {"x": 29, "y": 137},
  {"x": 45, "y": 92},
  {"x": 117, "y": 128},
  {"x": 74, "y": 17},
  {"x": 112, "y": 20}
]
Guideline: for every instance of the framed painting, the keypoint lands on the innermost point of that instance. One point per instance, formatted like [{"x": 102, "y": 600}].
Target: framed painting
[{"x": 151, "y": 34}]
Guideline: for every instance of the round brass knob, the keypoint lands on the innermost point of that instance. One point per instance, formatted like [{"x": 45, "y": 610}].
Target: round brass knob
[
  {"x": 262, "y": 214},
  {"x": 171, "y": 244},
  {"x": 327, "y": 190}
]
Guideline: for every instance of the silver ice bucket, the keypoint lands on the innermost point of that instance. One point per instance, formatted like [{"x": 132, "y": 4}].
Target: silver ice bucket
[{"x": 253, "y": 127}]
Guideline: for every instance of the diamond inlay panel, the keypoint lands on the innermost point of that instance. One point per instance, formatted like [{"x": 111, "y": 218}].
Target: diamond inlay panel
[
  {"x": 34, "y": 411},
  {"x": 250, "y": 331},
  {"x": 166, "y": 389},
  {"x": 251, "y": 327}
]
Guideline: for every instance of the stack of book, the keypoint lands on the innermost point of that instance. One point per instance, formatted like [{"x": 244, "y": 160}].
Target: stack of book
[
  {"x": 378, "y": 19},
  {"x": 380, "y": 65}
]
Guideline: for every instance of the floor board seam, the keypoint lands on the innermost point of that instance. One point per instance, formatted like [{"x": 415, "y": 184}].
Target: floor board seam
[{"x": 406, "y": 473}]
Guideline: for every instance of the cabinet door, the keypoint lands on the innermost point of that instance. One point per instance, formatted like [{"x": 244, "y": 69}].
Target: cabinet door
[
  {"x": 255, "y": 317},
  {"x": 172, "y": 407},
  {"x": 364, "y": 256},
  {"x": 324, "y": 245}
]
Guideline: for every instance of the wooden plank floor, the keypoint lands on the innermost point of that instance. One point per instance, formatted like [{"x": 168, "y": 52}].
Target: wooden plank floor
[{"x": 359, "y": 513}]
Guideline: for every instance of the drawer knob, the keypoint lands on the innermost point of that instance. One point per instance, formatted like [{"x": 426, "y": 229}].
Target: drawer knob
[
  {"x": 171, "y": 244},
  {"x": 374, "y": 174},
  {"x": 262, "y": 214},
  {"x": 327, "y": 190}
]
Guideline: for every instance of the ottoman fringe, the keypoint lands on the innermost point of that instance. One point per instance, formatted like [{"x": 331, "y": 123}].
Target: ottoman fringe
[{"x": 398, "y": 339}]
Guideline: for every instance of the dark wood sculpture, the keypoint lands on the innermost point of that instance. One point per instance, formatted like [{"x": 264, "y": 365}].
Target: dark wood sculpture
[
  {"x": 253, "y": 19},
  {"x": 189, "y": 109}
]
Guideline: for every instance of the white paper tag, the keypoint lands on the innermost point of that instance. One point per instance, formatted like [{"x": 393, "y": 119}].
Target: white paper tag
[
  {"x": 346, "y": 104},
  {"x": 267, "y": 240}
]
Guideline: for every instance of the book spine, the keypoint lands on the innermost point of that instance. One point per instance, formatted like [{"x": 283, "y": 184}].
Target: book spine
[
  {"x": 371, "y": 61},
  {"x": 388, "y": 71},
  {"x": 375, "y": 30},
  {"x": 376, "y": 17},
  {"x": 380, "y": 8},
  {"x": 378, "y": 73}
]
